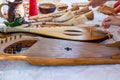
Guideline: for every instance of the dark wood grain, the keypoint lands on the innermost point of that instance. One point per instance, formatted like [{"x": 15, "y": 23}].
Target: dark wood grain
[{"x": 55, "y": 48}]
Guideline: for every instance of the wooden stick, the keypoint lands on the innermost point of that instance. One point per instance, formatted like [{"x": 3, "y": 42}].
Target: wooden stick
[
  {"x": 81, "y": 4},
  {"x": 48, "y": 19},
  {"x": 57, "y": 14},
  {"x": 50, "y": 23},
  {"x": 47, "y": 15}
]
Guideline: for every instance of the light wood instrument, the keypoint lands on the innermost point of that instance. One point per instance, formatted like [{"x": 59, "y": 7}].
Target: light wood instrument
[{"x": 68, "y": 33}]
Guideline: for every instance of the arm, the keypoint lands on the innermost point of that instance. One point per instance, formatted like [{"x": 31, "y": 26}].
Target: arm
[{"x": 116, "y": 6}]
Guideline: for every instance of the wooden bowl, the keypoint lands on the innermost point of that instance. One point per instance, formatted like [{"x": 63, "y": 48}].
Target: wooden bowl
[{"x": 47, "y": 8}]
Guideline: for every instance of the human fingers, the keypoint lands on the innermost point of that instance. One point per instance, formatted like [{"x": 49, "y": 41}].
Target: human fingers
[
  {"x": 107, "y": 19},
  {"x": 116, "y": 4},
  {"x": 103, "y": 23},
  {"x": 106, "y": 24},
  {"x": 117, "y": 9}
]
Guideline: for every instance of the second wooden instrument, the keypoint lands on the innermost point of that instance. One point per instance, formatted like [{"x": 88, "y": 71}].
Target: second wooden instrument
[{"x": 69, "y": 33}]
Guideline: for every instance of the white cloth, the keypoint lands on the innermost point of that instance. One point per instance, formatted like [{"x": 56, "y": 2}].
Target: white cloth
[{"x": 17, "y": 70}]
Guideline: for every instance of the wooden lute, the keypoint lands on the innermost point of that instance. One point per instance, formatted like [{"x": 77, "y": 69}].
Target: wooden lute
[
  {"x": 68, "y": 33},
  {"x": 54, "y": 52}
]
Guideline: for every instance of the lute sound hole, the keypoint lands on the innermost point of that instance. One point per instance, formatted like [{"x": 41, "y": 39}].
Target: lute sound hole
[{"x": 19, "y": 47}]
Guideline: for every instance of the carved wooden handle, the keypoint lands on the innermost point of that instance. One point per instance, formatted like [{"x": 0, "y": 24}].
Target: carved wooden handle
[{"x": 12, "y": 57}]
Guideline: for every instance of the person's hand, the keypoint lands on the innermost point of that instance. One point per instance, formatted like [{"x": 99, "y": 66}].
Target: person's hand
[
  {"x": 116, "y": 6},
  {"x": 112, "y": 20},
  {"x": 95, "y": 3}
]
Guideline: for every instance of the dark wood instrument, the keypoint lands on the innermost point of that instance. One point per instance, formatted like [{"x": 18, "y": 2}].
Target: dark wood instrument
[{"x": 54, "y": 52}]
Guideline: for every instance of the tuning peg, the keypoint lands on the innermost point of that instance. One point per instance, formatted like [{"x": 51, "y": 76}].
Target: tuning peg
[
  {"x": 1, "y": 41},
  {"x": 37, "y": 26},
  {"x": 15, "y": 37},
  {"x": 10, "y": 38},
  {"x": 6, "y": 39},
  {"x": 20, "y": 36}
]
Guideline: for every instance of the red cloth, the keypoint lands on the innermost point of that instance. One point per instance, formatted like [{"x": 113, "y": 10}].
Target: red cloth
[{"x": 33, "y": 8}]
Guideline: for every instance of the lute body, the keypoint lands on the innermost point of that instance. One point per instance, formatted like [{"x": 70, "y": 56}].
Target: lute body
[{"x": 46, "y": 51}]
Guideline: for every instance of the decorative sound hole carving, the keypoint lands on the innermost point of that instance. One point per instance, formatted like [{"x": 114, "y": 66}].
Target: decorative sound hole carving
[
  {"x": 73, "y": 32},
  {"x": 70, "y": 34},
  {"x": 19, "y": 47}
]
